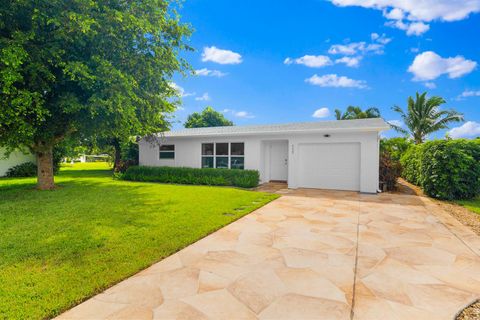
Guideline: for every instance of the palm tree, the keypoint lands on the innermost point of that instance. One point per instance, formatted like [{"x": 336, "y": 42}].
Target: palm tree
[
  {"x": 353, "y": 112},
  {"x": 423, "y": 116}
]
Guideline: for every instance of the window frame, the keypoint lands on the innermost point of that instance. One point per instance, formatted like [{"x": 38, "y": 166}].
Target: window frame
[
  {"x": 172, "y": 152},
  {"x": 229, "y": 156}
]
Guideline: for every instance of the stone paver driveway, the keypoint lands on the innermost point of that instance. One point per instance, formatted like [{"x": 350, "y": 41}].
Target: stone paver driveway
[{"x": 311, "y": 255}]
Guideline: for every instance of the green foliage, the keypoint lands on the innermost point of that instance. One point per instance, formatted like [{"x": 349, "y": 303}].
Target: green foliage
[
  {"x": 353, "y": 112},
  {"x": 396, "y": 147},
  {"x": 27, "y": 169},
  {"x": 445, "y": 169},
  {"x": 410, "y": 162},
  {"x": 59, "y": 249},
  {"x": 423, "y": 116},
  {"x": 209, "y": 117},
  {"x": 87, "y": 68},
  {"x": 204, "y": 176}
]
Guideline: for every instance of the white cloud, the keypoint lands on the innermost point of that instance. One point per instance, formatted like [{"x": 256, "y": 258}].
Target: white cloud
[
  {"x": 310, "y": 61},
  {"x": 470, "y": 93},
  {"x": 333, "y": 80},
  {"x": 416, "y": 12},
  {"x": 321, "y": 113},
  {"x": 349, "y": 61},
  {"x": 469, "y": 129},
  {"x": 209, "y": 73},
  {"x": 397, "y": 123},
  {"x": 380, "y": 38},
  {"x": 430, "y": 85},
  {"x": 429, "y": 66},
  {"x": 243, "y": 114},
  {"x": 180, "y": 90},
  {"x": 221, "y": 56},
  {"x": 204, "y": 97}
]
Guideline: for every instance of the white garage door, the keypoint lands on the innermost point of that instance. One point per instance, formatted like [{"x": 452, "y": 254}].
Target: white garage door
[{"x": 329, "y": 166}]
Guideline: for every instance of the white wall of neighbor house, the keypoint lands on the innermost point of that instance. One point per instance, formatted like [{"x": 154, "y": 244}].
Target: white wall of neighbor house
[
  {"x": 188, "y": 152},
  {"x": 15, "y": 158}
]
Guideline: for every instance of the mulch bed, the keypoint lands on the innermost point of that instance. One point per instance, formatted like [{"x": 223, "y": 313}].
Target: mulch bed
[
  {"x": 462, "y": 214},
  {"x": 472, "y": 312}
]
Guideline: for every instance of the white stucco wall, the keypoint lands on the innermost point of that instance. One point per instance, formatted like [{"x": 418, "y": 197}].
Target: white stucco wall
[
  {"x": 15, "y": 158},
  {"x": 188, "y": 153}
]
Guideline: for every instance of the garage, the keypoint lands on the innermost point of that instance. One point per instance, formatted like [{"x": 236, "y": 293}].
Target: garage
[{"x": 329, "y": 166}]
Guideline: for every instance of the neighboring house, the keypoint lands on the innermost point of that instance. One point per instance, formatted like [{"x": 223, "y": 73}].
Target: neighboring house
[
  {"x": 16, "y": 157},
  {"x": 340, "y": 155}
]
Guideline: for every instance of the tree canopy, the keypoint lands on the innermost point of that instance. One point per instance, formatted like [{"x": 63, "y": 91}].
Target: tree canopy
[
  {"x": 423, "y": 116},
  {"x": 354, "y": 112},
  {"x": 209, "y": 117},
  {"x": 86, "y": 68}
]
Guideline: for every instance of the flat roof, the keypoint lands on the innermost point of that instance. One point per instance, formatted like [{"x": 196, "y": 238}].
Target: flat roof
[{"x": 373, "y": 124}]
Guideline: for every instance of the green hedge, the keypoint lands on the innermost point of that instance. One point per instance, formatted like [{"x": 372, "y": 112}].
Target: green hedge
[
  {"x": 212, "y": 177},
  {"x": 444, "y": 169}
]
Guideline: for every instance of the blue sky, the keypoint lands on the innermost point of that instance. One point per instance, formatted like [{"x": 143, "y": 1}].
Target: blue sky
[{"x": 280, "y": 61}]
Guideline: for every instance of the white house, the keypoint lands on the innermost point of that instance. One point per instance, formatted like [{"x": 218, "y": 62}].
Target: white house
[
  {"x": 339, "y": 155},
  {"x": 15, "y": 158}
]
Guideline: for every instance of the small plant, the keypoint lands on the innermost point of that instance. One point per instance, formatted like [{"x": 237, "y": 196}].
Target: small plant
[
  {"x": 204, "y": 176},
  {"x": 27, "y": 169},
  {"x": 389, "y": 172}
]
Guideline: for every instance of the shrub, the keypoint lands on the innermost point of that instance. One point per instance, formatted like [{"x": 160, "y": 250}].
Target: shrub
[
  {"x": 396, "y": 147},
  {"x": 410, "y": 162},
  {"x": 445, "y": 169},
  {"x": 204, "y": 176},
  {"x": 389, "y": 171},
  {"x": 27, "y": 169}
]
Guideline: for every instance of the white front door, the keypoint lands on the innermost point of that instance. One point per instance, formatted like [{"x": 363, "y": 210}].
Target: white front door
[{"x": 279, "y": 160}]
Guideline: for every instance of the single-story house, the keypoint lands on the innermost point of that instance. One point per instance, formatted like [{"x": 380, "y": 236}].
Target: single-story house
[
  {"x": 339, "y": 155},
  {"x": 15, "y": 158}
]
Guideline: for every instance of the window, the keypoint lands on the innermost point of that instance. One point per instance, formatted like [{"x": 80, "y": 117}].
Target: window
[
  {"x": 167, "y": 151},
  {"x": 207, "y": 155},
  {"x": 223, "y": 155}
]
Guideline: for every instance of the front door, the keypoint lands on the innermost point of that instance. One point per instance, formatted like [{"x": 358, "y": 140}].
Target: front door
[{"x": 279, "y": 160}]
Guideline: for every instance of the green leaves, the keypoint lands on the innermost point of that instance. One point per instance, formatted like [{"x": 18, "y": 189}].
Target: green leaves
[
  {"x": 445, "y": 169},
  {"x": 423, "y": 116},
  {"x": 209, "y": 117}
]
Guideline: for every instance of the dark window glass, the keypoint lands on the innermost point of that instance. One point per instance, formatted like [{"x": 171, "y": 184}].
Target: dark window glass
[
  {"x": 237, "y": 163},
  {"x": 167, "y": 147},
  {"x": 207, "y": 149},
  {"x": 207, "y": 162},
  {"x": 222, "y": 149},
  {"x": 221, "y": 162},
  {"x": 167, "y": 155},
  {"x": 237, "y": 149}
]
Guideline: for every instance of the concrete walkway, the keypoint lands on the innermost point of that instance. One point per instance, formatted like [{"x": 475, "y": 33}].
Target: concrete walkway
[{"x": 311, "y": 255}]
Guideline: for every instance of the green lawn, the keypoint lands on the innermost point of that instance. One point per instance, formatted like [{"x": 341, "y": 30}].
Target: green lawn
[
  {"x": 58, "y": 248},
  {"x": 473, "y": 205}
]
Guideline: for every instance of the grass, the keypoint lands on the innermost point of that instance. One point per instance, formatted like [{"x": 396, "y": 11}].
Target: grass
[
  {"x": 59, "y": 247},
  {"x": 472, "y": 205}
]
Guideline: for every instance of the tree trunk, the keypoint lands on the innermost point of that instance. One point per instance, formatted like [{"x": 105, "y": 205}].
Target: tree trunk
[
  {"x": 45, "y": 180},
  {"x": 118, "y": 155}
]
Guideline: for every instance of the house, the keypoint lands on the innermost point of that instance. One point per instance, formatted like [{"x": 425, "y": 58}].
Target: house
[
  {"x": 15, "y": 158},
  {"x": 339, "y": 155}
]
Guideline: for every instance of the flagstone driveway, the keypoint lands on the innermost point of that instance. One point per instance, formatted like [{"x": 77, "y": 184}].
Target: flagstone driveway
[{"x": 311, "y": 255}]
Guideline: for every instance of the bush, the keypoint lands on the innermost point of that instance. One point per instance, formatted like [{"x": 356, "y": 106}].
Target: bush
[
  {"x": 205, "y": 176},
  {"x": 27, "y": 169},
  {"x": 445, "y": 169},
  {"x": 396, "y": 147},
  {"x": 410, "y": 162},
  {"x": 389, "y": 172}
]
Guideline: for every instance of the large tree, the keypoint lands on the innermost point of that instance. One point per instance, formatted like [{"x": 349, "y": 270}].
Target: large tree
[
  {"x": 207, "y": 118},
  {"x": 353, "y": 112},
  {"x": 423, "y": 116},
  {"x": 85, "y": 68}
]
